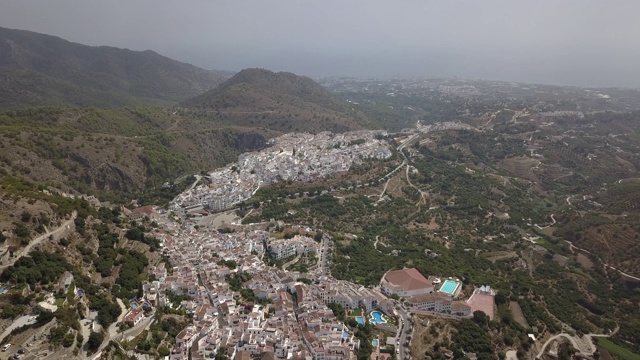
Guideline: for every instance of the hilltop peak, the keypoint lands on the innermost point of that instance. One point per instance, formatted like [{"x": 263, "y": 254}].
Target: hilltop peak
[{"x": 280, "y": 101}]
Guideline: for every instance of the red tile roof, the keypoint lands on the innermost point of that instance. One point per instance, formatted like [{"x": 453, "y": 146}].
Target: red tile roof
[{"x": 408, "y": 279}]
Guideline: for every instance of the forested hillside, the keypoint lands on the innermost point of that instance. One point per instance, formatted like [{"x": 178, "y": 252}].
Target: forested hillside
[{"x": 41, "y": 69}]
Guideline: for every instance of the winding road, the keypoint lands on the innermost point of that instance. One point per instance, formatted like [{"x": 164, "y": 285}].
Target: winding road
[
  {"x": 404, "y": 162},
  {"x": 287, "y": 264},
  {"x": 67, "y": 225},
  {"x": 571, "y": 246},
  {"x": 584, "y": 345},
  {"x": 554, "y": 338},
  {"x": 423, "y": 195},
  {"x": 113, "y": 328}
]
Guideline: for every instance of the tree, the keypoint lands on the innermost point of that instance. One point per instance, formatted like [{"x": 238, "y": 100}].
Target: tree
[
  {"x": 95, "y": 340},
  {"x": 163, "y": 351},
  {"x": 338, "y": 310},
  {"x": 480, "y": 318},
  {"x": 44, "y": 317},
  {"x": 222, "y": 354},
  {"x": 501, "y": 298},
  {"x": 135, "y": 234},
  {"x": 21, "y": 230},
  {"x": 68, "y": 339},
  {"x": 472, "y": 338}
]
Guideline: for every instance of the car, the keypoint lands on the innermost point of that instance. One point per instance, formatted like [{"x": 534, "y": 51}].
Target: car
[
  {"x": 21, "y": 351},
  {"x": 6, "y": 347}
]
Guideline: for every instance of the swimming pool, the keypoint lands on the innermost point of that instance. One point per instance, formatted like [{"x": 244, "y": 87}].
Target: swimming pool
[
  {"x": 345, "y": 334},
  {"x": 449, "y": 287},
  {"x": 374, "y": 342},
  {"x": 360, "y": 320},
  {"x": 134, "y": 305},
  {"x": 3, "y": 290},
  {"x": 376, "y": 318}
]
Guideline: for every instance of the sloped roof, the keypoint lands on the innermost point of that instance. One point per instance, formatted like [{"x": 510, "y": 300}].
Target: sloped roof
[{"x": 407, "y": 279}]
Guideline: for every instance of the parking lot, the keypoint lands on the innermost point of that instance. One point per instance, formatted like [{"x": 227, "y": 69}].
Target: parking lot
[{"x": 30, "y": 344}]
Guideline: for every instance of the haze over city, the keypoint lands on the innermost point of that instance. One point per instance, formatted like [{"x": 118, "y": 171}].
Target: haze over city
[
  {"x": 562, "y": 42},
  {"x": 319, "y": 180}
]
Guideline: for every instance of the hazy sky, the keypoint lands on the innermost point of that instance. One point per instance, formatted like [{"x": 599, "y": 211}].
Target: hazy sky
[{"x": 579, "y": 42}]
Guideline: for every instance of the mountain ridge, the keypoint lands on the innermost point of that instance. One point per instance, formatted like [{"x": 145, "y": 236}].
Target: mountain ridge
[{"x": 39, "y": 69}]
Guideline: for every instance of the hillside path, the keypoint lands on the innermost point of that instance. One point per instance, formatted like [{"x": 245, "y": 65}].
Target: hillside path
[
  {"x": 67, "y": 225},
  {"x": 295, "y": 260},
  {"x": 571, "y": 246},
  {"x": 584, "y": 344},
  {"x": 113, "y": 328}
]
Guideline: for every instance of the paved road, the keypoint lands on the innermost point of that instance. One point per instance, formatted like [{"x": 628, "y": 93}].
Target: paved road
[
  {"x": 198, "y": 177},
  {"x": 584, "y": 345},
  {"x": 556, "y": 337},
  {"x": 403, "y": 326},
  {"x": 406, "y": 142},
  {"x": 55, "y": 232},
  {"x": 325, "y": 254},
  {"x": 21, "y": 321},
  {"x": 113, "y": 328},
  {"x": 130, "y": 334}
]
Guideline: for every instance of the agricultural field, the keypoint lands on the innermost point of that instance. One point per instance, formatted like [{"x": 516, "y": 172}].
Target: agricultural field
[{"x": 617, "y": 350}]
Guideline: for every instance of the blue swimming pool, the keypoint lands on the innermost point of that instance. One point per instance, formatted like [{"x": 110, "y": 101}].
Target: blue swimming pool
[
  {"x": 360, "y": 320},
  {"x": 449, "y": 287},
  {"x": 345, "y": 334},
  {"x": 374, "y": 342},
  {"x": 376, "y": 318},
  {"x": 3, "y": 290},
  {"x": 134, "y": 305}
]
